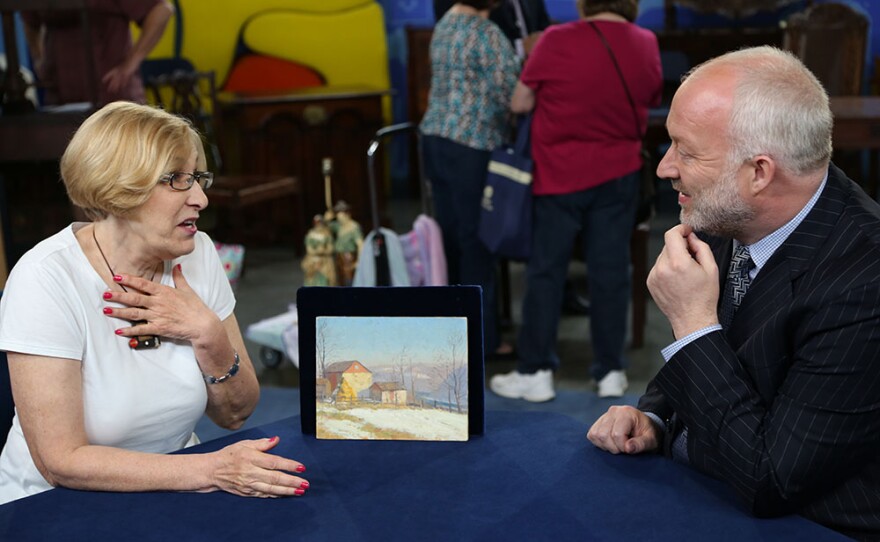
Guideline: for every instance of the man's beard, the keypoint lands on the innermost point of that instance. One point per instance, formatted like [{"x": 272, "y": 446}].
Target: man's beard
[{"x": 718, "y": 210}]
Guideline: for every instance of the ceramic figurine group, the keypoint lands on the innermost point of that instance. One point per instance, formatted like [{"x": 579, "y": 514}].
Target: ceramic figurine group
[{"x": 332, "y": 247}]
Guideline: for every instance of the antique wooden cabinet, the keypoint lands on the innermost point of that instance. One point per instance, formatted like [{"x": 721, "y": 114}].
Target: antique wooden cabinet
[{"x": 292, "y": 133}]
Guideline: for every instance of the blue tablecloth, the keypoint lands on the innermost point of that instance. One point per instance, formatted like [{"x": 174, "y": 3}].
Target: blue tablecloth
[{"x": 532, "y": 476}]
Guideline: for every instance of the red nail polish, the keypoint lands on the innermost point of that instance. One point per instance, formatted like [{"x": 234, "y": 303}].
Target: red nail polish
[
  {"x": 107, "y": 295},
  {"x": 299, "y": 492},
  {"x": 301, "y": 468},
  {"x": 179, "y": 267},
  {"x": 108, "y": 310},
  {"x": 118, "y": 332},
  {"x": 117, "y": 278},
  {"x": 304, "y": 485}
]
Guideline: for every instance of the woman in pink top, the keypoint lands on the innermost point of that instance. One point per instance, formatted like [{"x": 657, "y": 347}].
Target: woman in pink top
[{"x": 585, "y": 143}]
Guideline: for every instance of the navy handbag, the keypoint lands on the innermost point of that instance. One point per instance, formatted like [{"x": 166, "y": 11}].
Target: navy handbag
[{"x": 506, "y": 208}]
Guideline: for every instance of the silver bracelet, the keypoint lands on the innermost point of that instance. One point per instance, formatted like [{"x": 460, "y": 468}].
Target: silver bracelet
[{"x": 229, "y": 374}]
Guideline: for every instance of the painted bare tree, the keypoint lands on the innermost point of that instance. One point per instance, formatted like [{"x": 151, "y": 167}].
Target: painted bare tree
[
  {"x": 459, "y": 368},
  {"x": 402, "y": 362},
  {"x": 442, "y": 368},
  {"x": 453, "y": 370},
  {"x": 324, "y": 346}
]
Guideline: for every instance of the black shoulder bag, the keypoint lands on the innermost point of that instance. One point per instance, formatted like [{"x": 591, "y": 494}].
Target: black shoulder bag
[{"x": 647, "y": 192}]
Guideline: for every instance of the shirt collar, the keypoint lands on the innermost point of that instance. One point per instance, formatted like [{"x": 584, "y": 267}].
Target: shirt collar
[{"x": 761, "y": 251}]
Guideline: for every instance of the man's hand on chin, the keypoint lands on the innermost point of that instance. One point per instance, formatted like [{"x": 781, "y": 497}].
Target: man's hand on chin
[{"x": 684, "y": 282}]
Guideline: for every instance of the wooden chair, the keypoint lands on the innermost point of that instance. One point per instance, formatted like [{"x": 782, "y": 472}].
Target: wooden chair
[
  {"x": 734, "y": 9},
  {"x": 639, "y": 257},
  {"x": 192, "y": 94},
  {"x": 831, "y": 39}
]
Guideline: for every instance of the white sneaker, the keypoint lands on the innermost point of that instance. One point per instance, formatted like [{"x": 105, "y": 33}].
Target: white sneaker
[
  {"x": 536, "y": 388},
  {"x": 613, "y": 384}
]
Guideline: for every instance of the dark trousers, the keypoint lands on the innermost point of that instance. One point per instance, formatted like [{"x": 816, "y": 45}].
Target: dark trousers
[
  {"x": 603, "y": 216},
  {"x": 458, "y": 175}
]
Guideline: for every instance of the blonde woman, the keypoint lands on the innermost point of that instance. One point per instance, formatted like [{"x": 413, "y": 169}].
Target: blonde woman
[{"x": 120, "y": 333}]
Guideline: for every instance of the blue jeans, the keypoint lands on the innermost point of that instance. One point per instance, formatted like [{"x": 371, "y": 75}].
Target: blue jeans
[
  {"x": 603, "y": 216},
  {"x": 458, "y": 175}
]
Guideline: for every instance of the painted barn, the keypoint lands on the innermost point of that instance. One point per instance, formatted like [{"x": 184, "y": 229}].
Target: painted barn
[
  {"x": 388, "y": 392},
  {"x": 352, "y": 372}
]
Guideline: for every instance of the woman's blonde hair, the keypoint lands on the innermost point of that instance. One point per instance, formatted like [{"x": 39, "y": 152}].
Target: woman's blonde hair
[
  {"x": 628, "y": 9},
  {"x": 119, "y": 153}
]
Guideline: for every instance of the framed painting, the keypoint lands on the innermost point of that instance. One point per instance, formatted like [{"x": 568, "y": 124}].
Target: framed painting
[{"x": 391, "y": 363}]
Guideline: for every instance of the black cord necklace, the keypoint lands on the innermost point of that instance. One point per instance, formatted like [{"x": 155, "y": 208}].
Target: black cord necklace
[{"x": 141, "y": 342}]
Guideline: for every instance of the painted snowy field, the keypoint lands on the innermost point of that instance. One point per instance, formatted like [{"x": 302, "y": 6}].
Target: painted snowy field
[{"x": 389, "y": 423}]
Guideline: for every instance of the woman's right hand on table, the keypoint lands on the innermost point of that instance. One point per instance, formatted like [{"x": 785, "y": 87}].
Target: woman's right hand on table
[{"x": 247, "y": 469}]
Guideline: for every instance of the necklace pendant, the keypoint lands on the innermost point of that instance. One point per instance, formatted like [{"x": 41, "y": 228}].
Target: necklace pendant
[{"x": 144, "y": 342}]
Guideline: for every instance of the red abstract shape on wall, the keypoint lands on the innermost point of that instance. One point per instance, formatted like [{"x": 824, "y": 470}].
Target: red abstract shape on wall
[{"x": 258, "y": 73}]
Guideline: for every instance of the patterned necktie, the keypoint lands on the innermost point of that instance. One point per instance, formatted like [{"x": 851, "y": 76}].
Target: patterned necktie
[{"x": 738, "y": 281}]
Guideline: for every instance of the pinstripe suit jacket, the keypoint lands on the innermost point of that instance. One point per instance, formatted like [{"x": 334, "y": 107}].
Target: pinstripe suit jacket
[{"x": 785, "y": 405}]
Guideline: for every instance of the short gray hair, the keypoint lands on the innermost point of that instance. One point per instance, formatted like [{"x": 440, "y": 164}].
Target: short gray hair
[{"x": 779, "y": 108}]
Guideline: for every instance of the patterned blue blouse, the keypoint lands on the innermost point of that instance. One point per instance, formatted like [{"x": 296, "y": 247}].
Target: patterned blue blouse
[{"x": 473, "y": 72}]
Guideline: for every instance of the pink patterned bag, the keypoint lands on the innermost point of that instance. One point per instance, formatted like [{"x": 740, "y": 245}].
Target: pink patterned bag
[{"x": 232, "y": 258}]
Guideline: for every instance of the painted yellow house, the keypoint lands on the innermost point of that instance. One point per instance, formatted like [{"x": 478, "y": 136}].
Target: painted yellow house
[{"x": 351, "y": 373}]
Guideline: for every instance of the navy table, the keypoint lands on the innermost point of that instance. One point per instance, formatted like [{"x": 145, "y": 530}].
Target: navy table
[{"x": 532, "y": 476}]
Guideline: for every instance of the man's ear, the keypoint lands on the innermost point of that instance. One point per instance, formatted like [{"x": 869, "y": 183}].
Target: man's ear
[{"x": 763, "y": 171}]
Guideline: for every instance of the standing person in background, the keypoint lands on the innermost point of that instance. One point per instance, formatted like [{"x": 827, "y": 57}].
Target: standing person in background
[
  {"x": 522, "y": 22},
  {"x": 534, "y": 17},
  {"x": 473, "y": 73},
  {"x": 586, "y": 147},
  {"x": 56, "y": 42}
]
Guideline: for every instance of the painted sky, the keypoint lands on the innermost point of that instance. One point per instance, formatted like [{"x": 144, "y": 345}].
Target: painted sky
[{"x": 379, "y": 340}]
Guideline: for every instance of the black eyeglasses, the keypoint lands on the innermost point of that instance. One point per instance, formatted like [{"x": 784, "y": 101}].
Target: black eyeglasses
[{"x": 182, "y": 181}]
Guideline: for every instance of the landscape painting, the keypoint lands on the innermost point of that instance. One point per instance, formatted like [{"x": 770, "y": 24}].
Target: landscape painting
[{"x": 391, "y": 378}]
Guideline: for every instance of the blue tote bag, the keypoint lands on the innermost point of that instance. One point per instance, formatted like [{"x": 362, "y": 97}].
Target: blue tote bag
[{"x": 506, "y": 208}]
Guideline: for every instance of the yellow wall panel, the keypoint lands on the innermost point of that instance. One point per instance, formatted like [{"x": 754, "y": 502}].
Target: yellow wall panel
[
  {"x": 211, "y": 28},
  {"x": 348, "y": 47}
]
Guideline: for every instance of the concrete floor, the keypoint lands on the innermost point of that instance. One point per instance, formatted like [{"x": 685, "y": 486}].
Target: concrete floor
[{"x": 273, "y": 274}]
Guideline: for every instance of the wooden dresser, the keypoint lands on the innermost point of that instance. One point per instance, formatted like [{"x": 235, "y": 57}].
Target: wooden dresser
[{"x": 291, "y": 133}]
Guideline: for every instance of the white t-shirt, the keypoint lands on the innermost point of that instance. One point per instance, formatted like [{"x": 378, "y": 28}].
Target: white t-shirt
[{"x": 145, "y": 400}]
